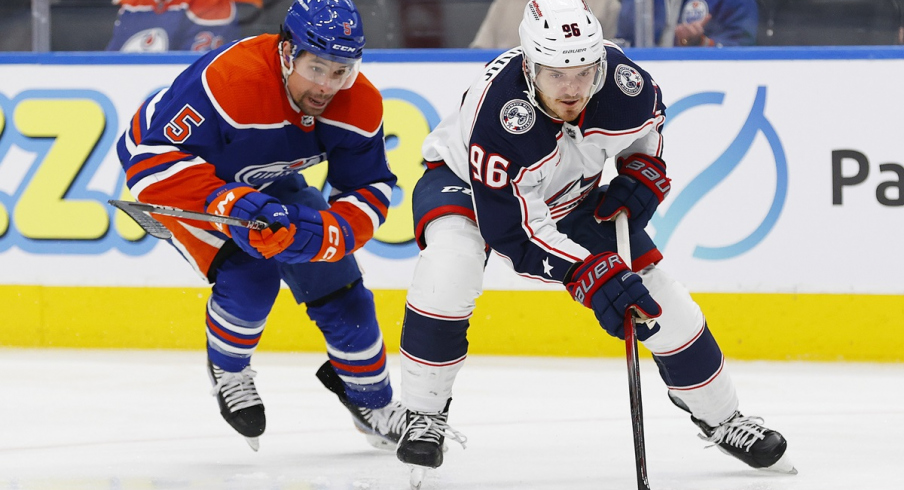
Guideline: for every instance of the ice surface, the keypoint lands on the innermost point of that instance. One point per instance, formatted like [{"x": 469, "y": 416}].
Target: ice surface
[{"x": 123, "y": 420}]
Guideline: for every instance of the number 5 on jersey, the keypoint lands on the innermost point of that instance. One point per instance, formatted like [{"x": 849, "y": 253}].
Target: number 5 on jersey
[
  {"x": 492, "y": 171},
  {"x": 179, "y": 129}
]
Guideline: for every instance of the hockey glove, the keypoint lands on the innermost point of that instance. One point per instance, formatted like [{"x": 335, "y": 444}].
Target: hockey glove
[
  {"x": 639, "y": 188},
  {"x": 322, "y": 236},
  {"x": 241, "y": 201},
  {"x": 604, "y": 284}
]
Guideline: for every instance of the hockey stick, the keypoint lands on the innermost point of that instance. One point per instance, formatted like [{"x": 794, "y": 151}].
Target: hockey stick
[
  {"x": 640, "y": 456},
  {"x": 141, "y": 213}
]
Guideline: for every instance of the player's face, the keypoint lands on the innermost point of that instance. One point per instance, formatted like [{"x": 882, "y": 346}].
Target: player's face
[
  {"x": 315, "y": 81},
  {"x": 565, "y": 91}
]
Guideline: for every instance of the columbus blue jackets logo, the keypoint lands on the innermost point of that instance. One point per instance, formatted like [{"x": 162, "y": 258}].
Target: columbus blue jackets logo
[
  {"x": 628, "y": 80},
  {"x": 517, "y": 116}
]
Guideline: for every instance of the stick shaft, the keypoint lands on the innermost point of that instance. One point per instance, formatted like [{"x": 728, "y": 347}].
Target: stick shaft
[
  {"x": 622, "y": 238},
  {"x": 623, "y": 243}
]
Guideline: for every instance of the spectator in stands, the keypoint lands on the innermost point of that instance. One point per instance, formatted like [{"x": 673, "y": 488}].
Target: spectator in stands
[
  {"x": 178, "y": 25},
  {"x": 499, "y": 29},
  {"x": 691, "y": 23}
]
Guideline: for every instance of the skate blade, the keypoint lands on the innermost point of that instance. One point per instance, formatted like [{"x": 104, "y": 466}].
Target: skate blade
[
  {"x": 416, "y": 478},
  {"x": 783, "y": 465},
  {"x": 254, "y": 442}
]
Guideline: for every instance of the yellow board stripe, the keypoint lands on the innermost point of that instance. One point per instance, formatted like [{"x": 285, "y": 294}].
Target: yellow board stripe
[{"x": 819, "y": 327}]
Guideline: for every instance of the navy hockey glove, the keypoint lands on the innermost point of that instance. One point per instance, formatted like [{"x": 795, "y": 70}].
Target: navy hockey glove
[
  {"x": 604, "y": 284},
  {"x": 639, "y": 188},
  {"x": 321, "y": 236},
  {"x": 241, "y": 201}
]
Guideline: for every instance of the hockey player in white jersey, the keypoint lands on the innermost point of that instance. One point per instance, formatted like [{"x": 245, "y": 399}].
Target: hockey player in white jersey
[{"x": 517, "y": 170}]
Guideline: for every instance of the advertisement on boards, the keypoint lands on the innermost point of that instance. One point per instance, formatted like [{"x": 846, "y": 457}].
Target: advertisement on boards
[{"x": 787, "y": 174}]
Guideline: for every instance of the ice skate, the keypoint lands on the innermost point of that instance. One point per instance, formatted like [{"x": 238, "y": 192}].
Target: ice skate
[
  {"x": 747, "y": 439},
  {"x": 382, "y": 427},
  {"x": 240, "y": 405},
  {"x": 421, "y": 446}
]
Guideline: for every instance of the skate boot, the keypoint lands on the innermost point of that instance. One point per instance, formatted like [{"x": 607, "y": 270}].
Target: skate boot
[
  {"x": 382, "y": 427},
  {"x": 240, "y": 405},
  {"x": 421, "y": 446},
  {"x": 747, "y": 439}
]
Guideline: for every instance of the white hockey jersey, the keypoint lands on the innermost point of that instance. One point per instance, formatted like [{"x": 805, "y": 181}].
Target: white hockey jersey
[{"x": 528, "y": 170}]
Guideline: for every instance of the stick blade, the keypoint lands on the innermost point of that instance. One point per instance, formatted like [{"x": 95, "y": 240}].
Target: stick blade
[{"x": 144, "y": 219}]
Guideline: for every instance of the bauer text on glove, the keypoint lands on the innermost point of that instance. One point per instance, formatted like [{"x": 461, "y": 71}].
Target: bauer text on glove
[
  {"x": 638, "y": 189},
  {"x": 604, "y": 284}
]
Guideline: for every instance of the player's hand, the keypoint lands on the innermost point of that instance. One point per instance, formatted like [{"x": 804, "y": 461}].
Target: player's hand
[
  {"x": 604, "y": 284},
  {"x": 241, "y": 201},
  {"x": 321, "y": 236},
  {"x": 639, "y": 188}
]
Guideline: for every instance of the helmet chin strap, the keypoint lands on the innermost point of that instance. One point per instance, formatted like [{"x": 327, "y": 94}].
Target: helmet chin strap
[
  {"x": 286, "y": 63},
  {"x": 531, "y": 91},
  {"x": 287, "y": 66}
]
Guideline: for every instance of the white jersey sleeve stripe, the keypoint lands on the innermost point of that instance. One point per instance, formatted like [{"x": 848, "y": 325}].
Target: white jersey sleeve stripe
[{"x": 353, "y": 129}]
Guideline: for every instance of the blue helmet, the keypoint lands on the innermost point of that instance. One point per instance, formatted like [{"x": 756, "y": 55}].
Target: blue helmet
[{"x": 330, "y": 29}]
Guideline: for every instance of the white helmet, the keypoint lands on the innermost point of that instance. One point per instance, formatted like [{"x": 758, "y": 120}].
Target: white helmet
[{"x": 561, "y": 34}]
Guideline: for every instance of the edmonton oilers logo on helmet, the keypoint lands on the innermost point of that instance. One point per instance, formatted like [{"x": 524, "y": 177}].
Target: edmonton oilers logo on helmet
[
  {"x": 268, "y": 172},
  {"x": 517, "y": 116},
  {"x": 628, "y": 80}
]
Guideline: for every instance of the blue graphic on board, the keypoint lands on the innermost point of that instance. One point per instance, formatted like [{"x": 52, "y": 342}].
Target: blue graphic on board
[{"x": 666, "y": 223}]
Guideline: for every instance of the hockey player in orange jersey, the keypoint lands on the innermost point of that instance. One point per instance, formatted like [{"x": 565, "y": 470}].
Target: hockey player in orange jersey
[{"x": 229, "y": 137}]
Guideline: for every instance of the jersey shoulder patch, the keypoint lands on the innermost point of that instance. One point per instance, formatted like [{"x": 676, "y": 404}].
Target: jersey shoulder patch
[
  {"x": 517, "y": 116},
  {"x": 505, "y": 122},
  {"x": 502, "y": 101},
  {"x": 628, "y": 79},
  {"x": 515, "y": 130}
]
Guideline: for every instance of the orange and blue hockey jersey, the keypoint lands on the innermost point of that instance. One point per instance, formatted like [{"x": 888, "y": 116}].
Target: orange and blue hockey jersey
[{"x": 228, "y": 118}]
